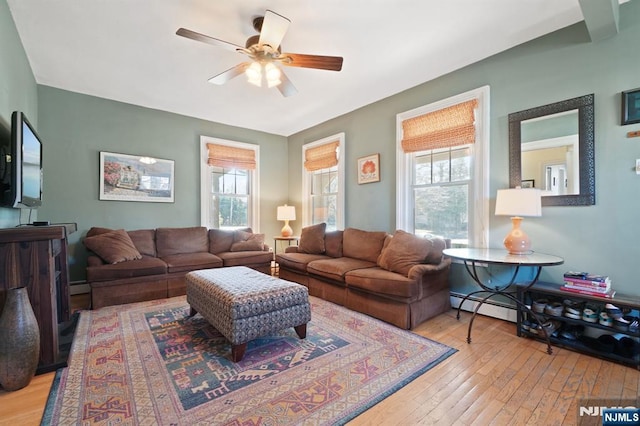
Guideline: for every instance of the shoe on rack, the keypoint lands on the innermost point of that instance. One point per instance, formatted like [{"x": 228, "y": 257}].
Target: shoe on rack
[
  {"x": 539, "y": 305},
  {"x": 621, "y": 324},
  {"x": 613, "y": 311},
  {"x": 605, "y": 319},
  {"x": 550, "y": 327},
  {"x": 590, "y": 314},
  {"x": 554, "y": 309}
]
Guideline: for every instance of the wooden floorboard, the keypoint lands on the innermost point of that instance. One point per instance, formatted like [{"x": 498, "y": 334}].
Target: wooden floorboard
[{"x": 498, "y": 379}]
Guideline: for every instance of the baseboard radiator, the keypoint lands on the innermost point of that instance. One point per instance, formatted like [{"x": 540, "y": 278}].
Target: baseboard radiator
[{"x": 489, "y": 308}]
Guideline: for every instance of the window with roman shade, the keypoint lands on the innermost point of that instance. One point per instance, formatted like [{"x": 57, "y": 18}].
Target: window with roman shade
[
  {"x": 442, "y": 169},
  {"x": 229, "y": 184},
  {"x": 443, "y": 128},
  {"x": 322, "y": 156},
  {"x": 323, "y": 182},
  {"x": 231, "y": 157}
]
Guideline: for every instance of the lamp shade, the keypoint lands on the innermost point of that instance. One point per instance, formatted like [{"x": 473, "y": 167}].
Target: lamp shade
[
  {"x": 286, "y": 212},
  {"x": 519, "y": 202}
]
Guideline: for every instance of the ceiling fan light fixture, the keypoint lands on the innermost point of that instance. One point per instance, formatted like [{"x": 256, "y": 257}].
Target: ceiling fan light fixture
[
  {"x": 254, "y": 74},
  {"x": 272, "y": 74}
]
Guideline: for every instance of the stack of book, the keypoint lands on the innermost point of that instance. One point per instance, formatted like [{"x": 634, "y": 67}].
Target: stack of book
[{"x": 589, "y": 284}]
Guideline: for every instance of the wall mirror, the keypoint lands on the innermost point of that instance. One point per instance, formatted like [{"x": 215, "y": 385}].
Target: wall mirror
[{"x": 551, "y": 148}]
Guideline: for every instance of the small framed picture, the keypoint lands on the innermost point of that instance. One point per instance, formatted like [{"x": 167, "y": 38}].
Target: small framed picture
[
  {"x": 528, "y": 183},
  {"x": 369, "y": 169},
  {"x": 631, "y": 106}
]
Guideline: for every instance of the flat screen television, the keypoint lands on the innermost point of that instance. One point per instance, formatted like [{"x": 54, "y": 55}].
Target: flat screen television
[{"x": 21, "y": 165}]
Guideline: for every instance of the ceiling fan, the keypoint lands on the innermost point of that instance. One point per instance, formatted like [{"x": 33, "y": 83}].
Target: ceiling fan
[{"x": 265, "y": 53}]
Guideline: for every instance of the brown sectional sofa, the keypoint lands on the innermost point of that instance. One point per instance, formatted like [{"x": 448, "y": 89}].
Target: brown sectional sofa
[
  {"x": 401, "y": 278},
  {"x": 134, "y": 266}
]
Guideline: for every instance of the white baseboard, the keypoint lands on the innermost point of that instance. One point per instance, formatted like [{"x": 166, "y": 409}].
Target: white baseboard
[
  {"x": 489, "y": 309},
  {"x": 80, "y": 287}
]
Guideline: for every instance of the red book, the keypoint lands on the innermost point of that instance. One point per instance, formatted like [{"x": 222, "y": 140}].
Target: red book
[
  {"x": 596, "y": 283},
  {"x": 601, "y": 289},
  {"x": 609, "y": 294}
]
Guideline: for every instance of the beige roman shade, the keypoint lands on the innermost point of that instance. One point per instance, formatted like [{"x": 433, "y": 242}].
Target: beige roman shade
[
  {"x": 230, "y": 157},
  {"x": 321, "y": 156},
  {"x": 444, "y": 128}
]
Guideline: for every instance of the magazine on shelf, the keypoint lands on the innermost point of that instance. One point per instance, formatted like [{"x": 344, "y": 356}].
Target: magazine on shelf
[
  {"x": 571, "y": 289},
  {"x": 586, "y": 278},
  {"x": 600, "y": 287}
]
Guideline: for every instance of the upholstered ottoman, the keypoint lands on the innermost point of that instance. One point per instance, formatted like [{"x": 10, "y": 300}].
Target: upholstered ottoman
[{"x": 244, "y": 304}]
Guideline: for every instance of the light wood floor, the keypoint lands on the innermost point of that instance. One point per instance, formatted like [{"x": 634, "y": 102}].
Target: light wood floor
[{"x": 498, "y": 379}]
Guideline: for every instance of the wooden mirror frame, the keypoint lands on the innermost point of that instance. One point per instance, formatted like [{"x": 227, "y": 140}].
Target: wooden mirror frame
[{"x": 586, "y": 143}]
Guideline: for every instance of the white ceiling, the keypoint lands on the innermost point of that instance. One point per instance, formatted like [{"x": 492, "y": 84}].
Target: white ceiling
[{"x": 127, "y": 50}]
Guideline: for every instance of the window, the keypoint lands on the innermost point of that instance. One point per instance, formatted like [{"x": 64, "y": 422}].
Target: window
[
  {"x": 229, "y": 184},
  {"x": 442, "y": 169},
  {"x": 323, "y": 185}
]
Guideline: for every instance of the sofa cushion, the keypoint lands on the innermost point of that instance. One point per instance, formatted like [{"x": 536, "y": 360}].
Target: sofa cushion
[
  {"x": 336, "y": 268},
  {"x": 246, "y": 241},
  {"x": 364, "y": 245},
  {"x": 297, "y": 261},
  {"x": 170, "y": 241},
  {"x": 240, "y": 258},
  {"x": 312, "y": 239},
  {"x": 144, "y": 240},
  {"x": 403, "y": 251},
  {"x": 435, "y": 254},
  {"x": 191, "y": 261},
  {"x": 97, "y": 230},
  {"x": 333, "y": 243},
  {"x": 113, "y": 246},
  {"x": 147, "y": 265},
  {"x": 220, "y": 240},
  {"x": 382, "y": 282}
]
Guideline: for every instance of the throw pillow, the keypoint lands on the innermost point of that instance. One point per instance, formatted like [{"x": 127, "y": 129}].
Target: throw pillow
[
  {"x": 312, "y": 239},
  {"x": 246, "y": 241},
  {"x": 113, "y": 247},
  {"x": 404, "y": 251}
]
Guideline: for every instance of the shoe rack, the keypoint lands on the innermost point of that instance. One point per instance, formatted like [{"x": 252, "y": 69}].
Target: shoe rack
[{"x": 582, "y": 323}]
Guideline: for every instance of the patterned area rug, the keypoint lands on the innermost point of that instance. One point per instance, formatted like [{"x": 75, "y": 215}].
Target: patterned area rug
[{"x": 149, "y": 363}]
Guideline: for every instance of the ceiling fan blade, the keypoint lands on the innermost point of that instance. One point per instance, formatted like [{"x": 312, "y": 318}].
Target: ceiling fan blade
[
  {"x": 331, "y": 63},
  {"x": 274, "y": 27},
  {"x": 286, "y": 87},
  {"x": 227, "y": 75},
  {"x": 206, "y": 39}
]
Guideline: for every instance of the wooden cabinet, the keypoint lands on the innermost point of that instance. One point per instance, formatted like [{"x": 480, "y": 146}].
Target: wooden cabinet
[{"x": 36, "y": 257}]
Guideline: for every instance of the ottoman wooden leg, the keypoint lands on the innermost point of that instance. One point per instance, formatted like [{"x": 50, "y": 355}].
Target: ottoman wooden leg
[
  {"x": 301, "y": 330},
  {"x": 237, "y": 352}
]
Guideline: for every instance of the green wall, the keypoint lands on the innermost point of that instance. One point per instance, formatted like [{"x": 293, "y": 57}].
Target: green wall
[
  {"x": 566, "y": 64},
  {"x": 75, "y": 128},
  {"x": 17, "y": 91}
]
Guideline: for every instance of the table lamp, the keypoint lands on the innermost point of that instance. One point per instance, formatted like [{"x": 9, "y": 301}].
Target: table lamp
[
  {"x": 518, "y": 202},
  {"x": 286, "y": 213}
]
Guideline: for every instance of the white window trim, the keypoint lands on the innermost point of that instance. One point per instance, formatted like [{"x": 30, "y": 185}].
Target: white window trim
[
  {"x": 306, "y": 181},
  {"x": 480, "y": 218},
  {"x": 205, "y": 181}
]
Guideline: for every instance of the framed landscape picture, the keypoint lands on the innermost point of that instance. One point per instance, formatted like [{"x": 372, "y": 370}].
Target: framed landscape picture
[
  {"x": 125, "y": 177},
  {"x": 369, "y": 169}
]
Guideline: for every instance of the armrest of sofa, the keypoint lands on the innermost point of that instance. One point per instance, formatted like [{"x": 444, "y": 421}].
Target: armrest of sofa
[
  {"x": 94, "y": 260},
  {"x": 421, "y": 269},
  {"x": 291, "y": 249},
  {"x": 431, "y": 279}
]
